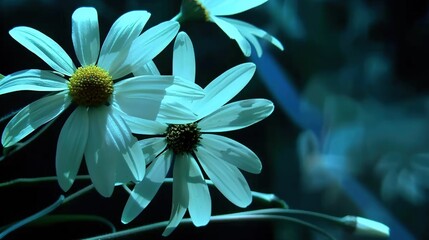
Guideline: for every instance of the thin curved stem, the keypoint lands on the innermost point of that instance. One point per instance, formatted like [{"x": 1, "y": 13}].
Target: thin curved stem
[
  {"x": 37, "y": 180},
  {"x": 220, "y": 218},
  {"x": 11, "y": 150},
  {"x": 33, "y": 217}
]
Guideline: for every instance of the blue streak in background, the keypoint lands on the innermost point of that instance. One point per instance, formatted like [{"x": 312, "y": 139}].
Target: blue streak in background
[
  {"x": 307, "y": 117},
  {"x": 277, "y": 81}
]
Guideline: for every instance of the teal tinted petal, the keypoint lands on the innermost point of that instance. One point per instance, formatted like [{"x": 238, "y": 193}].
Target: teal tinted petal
[
  {"x": 148, "y": 45},
  {"x": 145, "y": 190},
  {"x": 147, "y": 69},
  {"x": 180, "y": 193},
  {"x": 175, "y": 113},
  {"x": 100, "y": 155},
  {"x": 145, "y": 126},
  {"x": 224, "y": 88},
  {"x": 237, "y": 115},
  {"x": 152, "y": 147},
  {"x": 226, "y": 7},
  {"x": 70, "y": 147},
  {"x": 233, "y": 33},
  {"x": 143, "y": 96},
  {"x": 200, "y": 204},
  {"x": 85, "y": 35},
  {"x": 118, "y": 41},
  {"x": 184, "y": 57},
  {"x": 226, "y": 177},
  {"x": 45, "y": 48},
  {"x": 232, "y": 152},
  {"x": 33, "y": 116},
  {"x": 32, "y": 80},
  {"x": 112, "y": 154},
  {"x": 249, "y": 31}
]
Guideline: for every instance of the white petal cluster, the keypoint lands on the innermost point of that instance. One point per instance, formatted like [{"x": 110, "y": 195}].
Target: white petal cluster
[{"x": 220, "y": 157}]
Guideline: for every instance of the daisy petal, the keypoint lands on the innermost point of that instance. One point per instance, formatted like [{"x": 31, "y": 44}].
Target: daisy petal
[
  {"x": 45, "y": 48},
  {"x": 237, "y": 115},
  {"x": 130, "y": 167},
  {"x": 33, "y": 116},
  {"x": 200, "y": 204},
  {"x": 112, "y": 153},
  {"x": 232, "y": 151},
  {"x": 149, "y": 92},
  {"x": 32, "y": 80},
  {"x": 100, "y": 155},
  {"x": 85, "y": 35},
  {"x": 226, "y": 177},
  {"x": 175, "y": 113},
  {"x": 184, "y": 57},
  {"x": 225, "y": 7},
  {"x": 147, "y": 69},
  {"x": 250, "y": 29},
  {"x": 152, "y": 147},
  {"x": 148, "y": 45},
  {"x": 144, "y": 126},
  {"x": 116, "y": 45},
  {"x": 180, "y": 193},
  {"x": 70, "y": 147},
  {"x": 224, "y": 88},
  {"x": 233, "y": 33},
  {"x": 145, "y": 190}
]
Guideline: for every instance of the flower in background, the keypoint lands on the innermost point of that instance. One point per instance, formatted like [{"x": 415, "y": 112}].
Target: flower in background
[
  {"x": 191, "y": 145},
  {"x": 213, "y": 11},
  {"x": 404, "y": 176},
  {"x": 97, "y": 128}
]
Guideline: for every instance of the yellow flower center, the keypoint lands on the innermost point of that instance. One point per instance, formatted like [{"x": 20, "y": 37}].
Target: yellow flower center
[
  {"x": 183, "y": 138},
  {"x": 90, "y": 86}
]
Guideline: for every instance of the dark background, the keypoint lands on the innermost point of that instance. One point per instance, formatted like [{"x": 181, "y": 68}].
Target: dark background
[{"x": 361, "y": 49}]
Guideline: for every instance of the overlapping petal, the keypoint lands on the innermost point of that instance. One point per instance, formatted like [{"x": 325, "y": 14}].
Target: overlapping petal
[
  {"x": 70, "y": 147},
  {"x": 32, "y": 80},
  {"x": 45, "y": 48},
  {"x": 199, "y": 197},
  {"x": 180, "y": 193},
  {"x": 119, "y": 39},
  {"x": 33, "y": 116},
  {"x": 232, "y": 152},
  {"x": 145, "y": 190},
  {"x": 226, "y": 177},
  {"x": 249, "y": 32},
  {"x": 85, "y": 35},
  {"x": 110, "y": 144},
  {"x": 233, "y": 33},
  {"x": 150, "y": 91},
  {"x": 151, "y": 43},
  {"x": 152, "y": 147},
  {"x": 224, "y": 88},
  {"x": 184, "y": 57},
  {"x": 100, "y": 153},
  {"x": 228, "y": 7},
  {"x": 237, "y": 115}
]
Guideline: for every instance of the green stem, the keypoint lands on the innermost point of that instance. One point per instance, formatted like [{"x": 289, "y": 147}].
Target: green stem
[
  {"x": 50, "y": 208},
  {"x": 37, "y": 180},
  {"x": 178, "y": 17},
  {"x": 244, "y": 216},
  {"x": 33, "y": 217}
]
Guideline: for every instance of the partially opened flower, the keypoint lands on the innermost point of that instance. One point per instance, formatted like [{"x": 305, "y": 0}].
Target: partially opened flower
[
  {"x": 191, "y": 145},
  {"x": 214, "y": 11},
  {"x": 96, "y": 128}
]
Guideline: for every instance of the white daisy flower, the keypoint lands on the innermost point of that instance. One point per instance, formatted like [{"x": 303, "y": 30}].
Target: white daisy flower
[
  {"x": 214, "y": 11},
  {"x": 96, "y": 129},
  {"x": 191, "y": 145}
]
